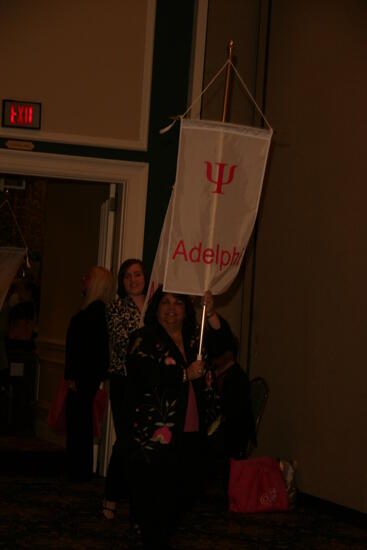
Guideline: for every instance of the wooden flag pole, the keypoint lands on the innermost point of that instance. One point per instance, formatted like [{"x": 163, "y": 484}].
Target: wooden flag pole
[
  {"x": 224, "y": 117},
  {"x": 200, "y": 356},
  {"x": 228, "y": 76}
]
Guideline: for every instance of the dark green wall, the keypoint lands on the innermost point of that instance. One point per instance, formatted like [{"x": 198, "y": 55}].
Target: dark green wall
[{"x": 171, "y": 67}]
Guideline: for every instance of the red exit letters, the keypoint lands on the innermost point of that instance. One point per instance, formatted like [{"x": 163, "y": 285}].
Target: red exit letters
[{"x": 21, "y": 114}]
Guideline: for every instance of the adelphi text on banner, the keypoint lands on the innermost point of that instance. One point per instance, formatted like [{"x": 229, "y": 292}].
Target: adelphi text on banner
[{"x": 220, "y": 172}]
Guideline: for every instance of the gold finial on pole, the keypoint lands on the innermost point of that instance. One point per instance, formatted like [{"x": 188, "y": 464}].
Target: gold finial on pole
[{"x": 226, "y": 90}]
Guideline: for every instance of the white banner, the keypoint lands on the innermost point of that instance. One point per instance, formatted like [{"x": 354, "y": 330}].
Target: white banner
[
  {"x": 11, "y": 259},
  {"x": 220, "y": 171}
]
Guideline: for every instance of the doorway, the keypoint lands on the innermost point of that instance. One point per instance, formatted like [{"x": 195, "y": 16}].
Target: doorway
[
  {"x": 80, "y": 231},
  {"x": 59, "y": 220}
]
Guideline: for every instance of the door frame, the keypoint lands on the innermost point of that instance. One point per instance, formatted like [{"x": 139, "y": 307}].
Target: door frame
[{"x": 129, "y": 226}]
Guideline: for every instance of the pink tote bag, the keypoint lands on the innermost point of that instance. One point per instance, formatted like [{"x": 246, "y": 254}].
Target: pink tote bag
[{"x": 256, "y": 485}]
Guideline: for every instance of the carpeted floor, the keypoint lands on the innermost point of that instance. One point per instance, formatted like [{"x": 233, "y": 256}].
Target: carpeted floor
[{"x": 40, "y": 509}]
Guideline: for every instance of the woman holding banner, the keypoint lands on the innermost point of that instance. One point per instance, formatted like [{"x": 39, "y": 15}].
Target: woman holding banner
[{"x": 170, "y": 402}]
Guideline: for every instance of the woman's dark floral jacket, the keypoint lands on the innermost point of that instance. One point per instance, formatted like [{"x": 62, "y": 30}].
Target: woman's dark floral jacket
[{"x": 157, "y": 396}]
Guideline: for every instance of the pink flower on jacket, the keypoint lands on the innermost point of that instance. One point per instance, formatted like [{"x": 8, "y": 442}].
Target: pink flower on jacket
[
  {"x": 163, "y": 435},
  {"x": 169, "y": 361}
]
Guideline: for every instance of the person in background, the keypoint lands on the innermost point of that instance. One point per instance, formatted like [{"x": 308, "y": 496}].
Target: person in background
[
  {"x": 123, "y": 317},
  {"x": 237, "y": 429},
  {"x": 86, "y": 364},
  {"x": 170, "y": 401}
]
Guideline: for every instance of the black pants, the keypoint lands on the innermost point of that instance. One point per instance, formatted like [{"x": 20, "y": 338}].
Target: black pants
[
  {"x": 79, "y": 434},
  {"x": 115, "y": 485},
  {"x": 165, "y": 488}
]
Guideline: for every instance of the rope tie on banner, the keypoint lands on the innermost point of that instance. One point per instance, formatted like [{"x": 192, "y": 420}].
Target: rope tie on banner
[
  {"x": 6, "y": 202},
  {"x": 178, "y": 117},
  {"x": 228, "y": 62},
  {"x": 250, "y": 96}
]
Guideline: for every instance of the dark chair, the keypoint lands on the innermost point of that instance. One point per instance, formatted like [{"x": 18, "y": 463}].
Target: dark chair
[{"x": 259, "y": 393}]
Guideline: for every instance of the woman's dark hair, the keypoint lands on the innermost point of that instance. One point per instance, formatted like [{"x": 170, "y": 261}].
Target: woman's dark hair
[
  {"x": 121, "y": 275},
  {"x": 150, "y": 317}
]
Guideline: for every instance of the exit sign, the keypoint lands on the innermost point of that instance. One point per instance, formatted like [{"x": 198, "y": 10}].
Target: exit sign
[{"x": 21, "y": 114}]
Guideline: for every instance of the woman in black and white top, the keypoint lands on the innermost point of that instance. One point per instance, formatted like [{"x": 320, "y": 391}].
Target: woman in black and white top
[{"x": 123, "y": 318}]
